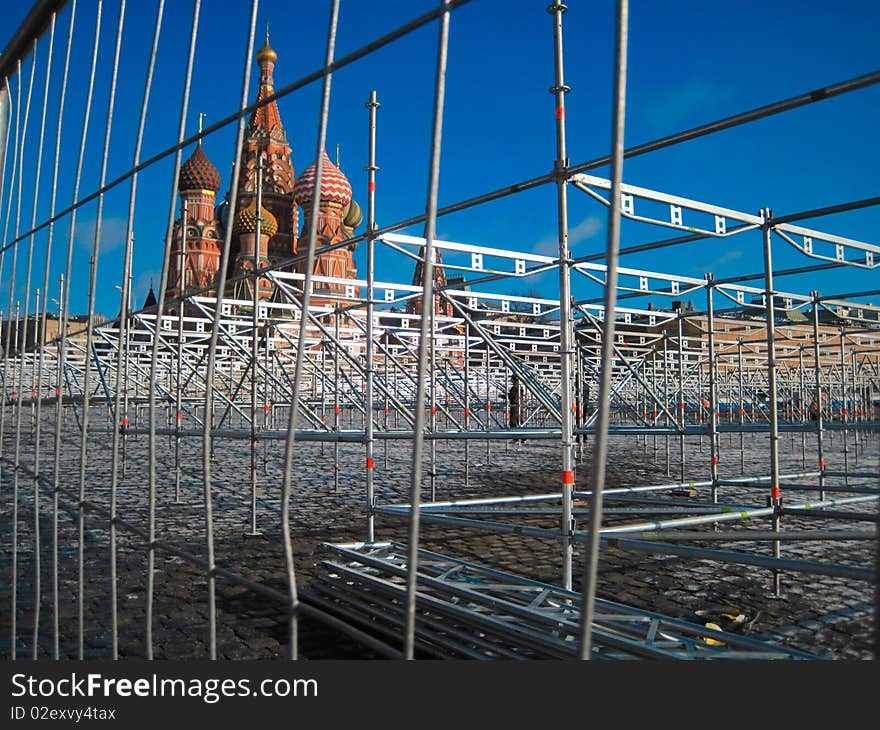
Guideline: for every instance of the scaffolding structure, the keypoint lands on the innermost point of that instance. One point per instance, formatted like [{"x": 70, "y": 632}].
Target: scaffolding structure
[{"x": 103, "y": 417}]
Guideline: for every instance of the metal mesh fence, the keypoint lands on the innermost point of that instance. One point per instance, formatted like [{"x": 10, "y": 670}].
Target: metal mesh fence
[{"x": 263, "y": 373}]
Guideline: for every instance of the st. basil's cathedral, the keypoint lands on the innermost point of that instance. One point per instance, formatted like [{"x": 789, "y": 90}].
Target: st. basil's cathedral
[{"x": 197, "y": 245}]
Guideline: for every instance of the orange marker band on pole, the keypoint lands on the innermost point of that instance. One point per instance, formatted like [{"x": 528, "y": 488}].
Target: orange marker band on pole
[
  {"x": 568, "y": 476},
  {"x": 370, "y": 462}
]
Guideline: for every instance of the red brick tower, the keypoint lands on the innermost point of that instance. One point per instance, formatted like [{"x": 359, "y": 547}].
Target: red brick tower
[
  {"x": 197, "y": 183},
  {"x": 441, "y": 306},
  {"x": 265, "y": 136}
]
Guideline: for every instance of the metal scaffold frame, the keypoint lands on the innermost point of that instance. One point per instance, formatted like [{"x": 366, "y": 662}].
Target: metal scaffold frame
[{"x": 366, "y": 364}]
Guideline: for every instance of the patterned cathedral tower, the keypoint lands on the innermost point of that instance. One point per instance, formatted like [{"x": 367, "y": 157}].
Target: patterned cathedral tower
[
  {"x": 197, "y": 241},
  {"x": 441, "y": 306},
  {"x": 266, "y": 137},
  {"x": 338, "y": 216},
  {"x": 252, "y": 252}
]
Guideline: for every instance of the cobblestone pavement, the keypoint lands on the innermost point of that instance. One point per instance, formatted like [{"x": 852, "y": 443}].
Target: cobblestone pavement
[{"x": 826, "y": 616}]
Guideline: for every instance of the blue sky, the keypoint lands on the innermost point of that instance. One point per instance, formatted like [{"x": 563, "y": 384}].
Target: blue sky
[{"x": 689, "y": 63}]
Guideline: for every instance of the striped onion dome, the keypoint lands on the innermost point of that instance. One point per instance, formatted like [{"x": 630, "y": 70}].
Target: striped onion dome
[
  {"x": 334, "y": 185},
  {"x": 198, "y": 173},
  {"x": 247, "y": 220}
]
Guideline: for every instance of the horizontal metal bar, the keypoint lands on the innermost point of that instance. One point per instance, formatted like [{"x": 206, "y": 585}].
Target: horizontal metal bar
[
  {"x": 756, "y": 535},
  {"x": 32, "y": 27},
  {"x": 739, "y": 558}
]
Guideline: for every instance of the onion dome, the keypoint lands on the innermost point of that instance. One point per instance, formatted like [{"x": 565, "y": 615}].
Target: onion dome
[
  {"x": 334, "y": 185},
  {"x": 247, "y": 220},
  {"x": 198, "y": 173},
  {"x": 353, "y": 216},
  {"x": 266, "y": 53}
]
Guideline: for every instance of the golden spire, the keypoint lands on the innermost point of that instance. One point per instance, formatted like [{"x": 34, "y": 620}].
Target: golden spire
[{"x": 266, "y": 53}]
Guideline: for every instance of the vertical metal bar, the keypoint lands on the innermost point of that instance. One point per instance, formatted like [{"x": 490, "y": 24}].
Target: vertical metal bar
[
  {"x": 844, "y": 410},
  {"x": 801, "y": 400},
  {"x": 160, "y": 306},
  {"x": 432, "y": 393},
  {"x": 7, "y": 332},
  {"x": 488, "y": 406},
  {"x": 124, "y": 309},
  {"x": 385, "y": 359},
  {"x": 372, "y": 105},
  {"x": 11, "y": 340},
  {"x": 255, "y": 342},
  {"x": 126, "y": 359},
  {"x": 467, "y": 404},
  {"x": 178, "y": 389},
  {"x": 12, "y": 189},
  {"x": 713, "y": 394},
  {"x": 336, "y": 419},
  {"x": 35, "y": 340},
  {"x": 600, "y": 443},
  {"x": 268, "y": 413},
  {"x": 666, "y": 418},
  {"x": 820, "y": 411},
  {"x": 324, "y": 379},
  {"x": 855, "y": 400},
  {"x": 559, "y": 90},
  {"x": 682, "y": 413},
  {"x": 5, "y": 118},
  {"x": 775, "y": 494},
  {"x": 90, "y": 330},
  {"x": 580, "y": 406},
  {"x": 293, "y": 594},
  {"x": 742, "y": 407},
  {"x": 698, "y": 400},
  {"x": 35, "y": 481},
  {"x": 207, "y": 450},
  {"x": 427, "y": 301},
  {"x": 56, "y": 618}
]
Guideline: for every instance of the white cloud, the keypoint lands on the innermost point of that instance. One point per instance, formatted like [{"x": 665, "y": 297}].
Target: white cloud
[
  {"x": 586, "y": 229},
  {"x": 717, "y": 264},
  {"x": 671, "y": 107},
  {"x": 112, "y": 233}
]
